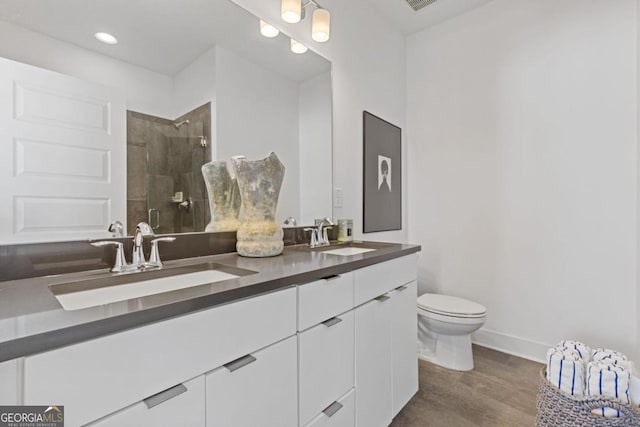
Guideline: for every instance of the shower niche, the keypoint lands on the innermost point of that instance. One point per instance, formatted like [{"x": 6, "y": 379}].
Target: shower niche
[{"x": 165, "y": 187}]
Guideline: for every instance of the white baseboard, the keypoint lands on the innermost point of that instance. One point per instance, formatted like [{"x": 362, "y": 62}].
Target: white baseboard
[{"x": 510, "y": 344}]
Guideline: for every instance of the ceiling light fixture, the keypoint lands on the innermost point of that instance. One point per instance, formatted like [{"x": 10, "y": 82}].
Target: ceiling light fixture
[
  {"x": 297, "y": 47},
  {"x": 268, "y": 30},
  {"x": 294, "y": 10},
  {"x": 106, "y": 38},
  {"x": 291, "y": 11}
]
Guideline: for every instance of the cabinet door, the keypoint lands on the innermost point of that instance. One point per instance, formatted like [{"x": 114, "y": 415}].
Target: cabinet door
[
  {"x": 326, "y": 364},
  {"x": 259, "y": 389},
  {"x": 9, "y": 373},
  {"x": 182, "y": 405},
  {"x": 404, "y": 352},
  {"x": 373, "y": 363}
]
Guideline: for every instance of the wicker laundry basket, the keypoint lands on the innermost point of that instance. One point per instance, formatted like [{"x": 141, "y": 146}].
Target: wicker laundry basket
[{"x": 557, "y": 409}]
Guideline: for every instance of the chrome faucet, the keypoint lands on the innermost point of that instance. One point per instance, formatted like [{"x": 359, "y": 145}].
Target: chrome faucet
[
  {"x": 142, "y": 230},
  {"x": 138, "y": 262},
  {"x": 323, "y": 239},
  {"x": 319, "y": 235}
]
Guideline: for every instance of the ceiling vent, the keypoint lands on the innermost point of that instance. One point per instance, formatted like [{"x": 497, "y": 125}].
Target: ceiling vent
[{"x": 419, "y": 4}]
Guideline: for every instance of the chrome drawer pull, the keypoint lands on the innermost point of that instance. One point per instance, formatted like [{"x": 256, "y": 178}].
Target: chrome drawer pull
[
  {"x": 333, "y": 321},
  {"x": 402, "y": 288},
  {"x": 332, "y": 277},
  {"x": 163, "y": 396},
  {"x": 332, "y": 409},
  {"x": 382, "y": 298},
  {"x": 240, "y": 363}
]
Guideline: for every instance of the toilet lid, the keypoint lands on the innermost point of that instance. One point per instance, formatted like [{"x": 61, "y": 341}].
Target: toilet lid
[{"x": 450, "y": 306}]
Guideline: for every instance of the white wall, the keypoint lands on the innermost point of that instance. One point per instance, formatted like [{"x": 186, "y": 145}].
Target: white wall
[
  {"x": 368, "y": 73},
  {"x": 146, "y": 91},
  {"x": 256, "y": 113},
  {"x": 522, "y": 118},
  {"x": 195, "y": 85},
  {"x": 315, "y": 159}
]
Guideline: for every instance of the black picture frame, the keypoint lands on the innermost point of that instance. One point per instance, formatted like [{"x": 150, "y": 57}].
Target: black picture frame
[{"x": 382, "y": 175}]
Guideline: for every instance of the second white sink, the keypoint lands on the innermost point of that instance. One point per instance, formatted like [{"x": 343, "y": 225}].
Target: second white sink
[{"x": 348, "y": 251}]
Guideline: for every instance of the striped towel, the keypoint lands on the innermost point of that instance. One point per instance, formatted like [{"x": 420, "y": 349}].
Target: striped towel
[
  {"x": 583, "y": 351},
  {"x": 611, "y": 357},
  {"x": 608, "y": 380},
  {"x": 565, "y": 370}
]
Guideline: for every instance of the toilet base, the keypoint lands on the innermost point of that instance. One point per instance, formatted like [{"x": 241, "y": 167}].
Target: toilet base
[{"x": 449, "y": 351}]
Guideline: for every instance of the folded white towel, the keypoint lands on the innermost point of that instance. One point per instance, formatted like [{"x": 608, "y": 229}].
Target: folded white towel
[
  {"x": 608, "y": 380},
  {"x": 611, "y": 357},
  {"x": 579, "y": 347},
  {"x": 565, "y": 370}
]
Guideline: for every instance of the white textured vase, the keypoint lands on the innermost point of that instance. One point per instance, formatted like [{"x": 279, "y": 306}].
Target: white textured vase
[
  {"x": 259, "y": 182},
  {"x": 224, "y": 197}
]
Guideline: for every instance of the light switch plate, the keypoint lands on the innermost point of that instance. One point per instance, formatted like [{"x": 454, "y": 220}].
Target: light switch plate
[{"x": 337, "y": 198}]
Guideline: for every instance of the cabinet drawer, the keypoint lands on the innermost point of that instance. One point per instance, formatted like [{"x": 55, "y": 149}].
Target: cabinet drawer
[
  {"x": 182, "y": 405},
  {"x": 341, "y": 414},
  {"x": 322, "y": 299},
  {"x": 326, "y": 360},
  {"x": 372, "y": 281},
  {"x": 98, "y": 377},
  {"x": 258, "y": 390}
]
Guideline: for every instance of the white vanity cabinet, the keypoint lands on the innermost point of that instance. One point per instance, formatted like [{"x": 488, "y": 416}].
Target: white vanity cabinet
[
  {"x": 325, "y": 346},
  {"x": 181, "y": 405},
  {"x": 259, "y": 389},
  {"x": 99, "y": 377},
  {"x": 386, "y": 374}
]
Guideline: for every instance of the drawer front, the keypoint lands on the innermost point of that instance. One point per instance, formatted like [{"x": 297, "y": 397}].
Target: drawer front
[
  {"x": 184, "y": 407},
  {"x": 258, "y": 390},
  {"x": 98, "y": 377},
  {"x": 340, "y": 415},
  {"x": 375, "y": 280},
  {"x": 326, "y": 357},
  {"x": 322, "y": 299}
]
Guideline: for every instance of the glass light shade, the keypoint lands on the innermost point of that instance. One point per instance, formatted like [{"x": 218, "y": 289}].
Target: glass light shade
[
  {"x": 106, "y": 38},
  {"x": 291, "y": 11},
  {"x": 321, "y": 25},
  {"x": 268, "y": 30},
  {"x": 297, "y": 47}
]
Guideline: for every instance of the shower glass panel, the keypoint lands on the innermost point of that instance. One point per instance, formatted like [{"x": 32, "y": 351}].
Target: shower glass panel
[{"x": 165, "y": 187}]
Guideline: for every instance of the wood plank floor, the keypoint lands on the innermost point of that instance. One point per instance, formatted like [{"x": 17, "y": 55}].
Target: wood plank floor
[{"x": 500, "y": 391}]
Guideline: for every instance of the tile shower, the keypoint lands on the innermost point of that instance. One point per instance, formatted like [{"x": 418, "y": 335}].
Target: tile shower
[{"x": 164, "y": 158}]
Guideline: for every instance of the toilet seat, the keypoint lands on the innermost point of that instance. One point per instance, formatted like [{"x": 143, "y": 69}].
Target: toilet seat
[{"x": 445, "y": 305}]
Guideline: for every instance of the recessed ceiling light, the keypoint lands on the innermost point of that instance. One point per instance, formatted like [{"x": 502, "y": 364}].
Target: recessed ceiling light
[
  {"x": 297, "y": 47},
  {"x": 106, "y": 38},
  {"x": 268, "y": 30}
]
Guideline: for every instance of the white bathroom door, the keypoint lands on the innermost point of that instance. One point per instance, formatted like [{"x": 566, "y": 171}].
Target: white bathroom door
[{"x": 62, "y": 156}]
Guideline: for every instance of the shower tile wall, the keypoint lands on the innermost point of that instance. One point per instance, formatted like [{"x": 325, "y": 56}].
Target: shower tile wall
[{"x": 163, "y": 160}]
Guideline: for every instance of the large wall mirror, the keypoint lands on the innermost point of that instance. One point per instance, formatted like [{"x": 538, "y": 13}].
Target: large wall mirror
[{"x": 91, "y": 133}]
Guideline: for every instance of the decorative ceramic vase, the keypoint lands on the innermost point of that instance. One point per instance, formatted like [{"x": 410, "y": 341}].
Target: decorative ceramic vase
[
  {"x": 224, "y": 197},
  {"x": 259, "y": 182}
]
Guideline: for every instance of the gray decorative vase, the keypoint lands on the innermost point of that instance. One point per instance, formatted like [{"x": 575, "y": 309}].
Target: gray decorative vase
[
  {"x": 224, "y": 197},
  {"x": 259, "y": 181}
]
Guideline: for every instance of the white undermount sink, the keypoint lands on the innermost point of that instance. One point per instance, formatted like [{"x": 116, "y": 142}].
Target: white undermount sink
[
  {"x": 348, "y": 251},
  {"x": 91, "y": 293}
]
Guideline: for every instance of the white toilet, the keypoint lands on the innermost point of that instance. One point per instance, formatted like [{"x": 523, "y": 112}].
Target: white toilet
[{"x": 445, "y": 324}]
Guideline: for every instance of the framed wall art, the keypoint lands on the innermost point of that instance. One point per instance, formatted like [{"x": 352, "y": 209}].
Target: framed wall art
[{"x": 382, "y": 169}]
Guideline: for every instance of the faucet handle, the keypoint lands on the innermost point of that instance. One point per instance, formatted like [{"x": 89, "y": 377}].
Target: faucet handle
[
  {"x": 154, "y": 259},
  {"x": 120, "y": 263},
  {"x": 314, "y": 237}
]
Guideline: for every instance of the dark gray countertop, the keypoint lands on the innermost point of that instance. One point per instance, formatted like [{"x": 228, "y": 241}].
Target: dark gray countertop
[{"x": 32, "y": 320}]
